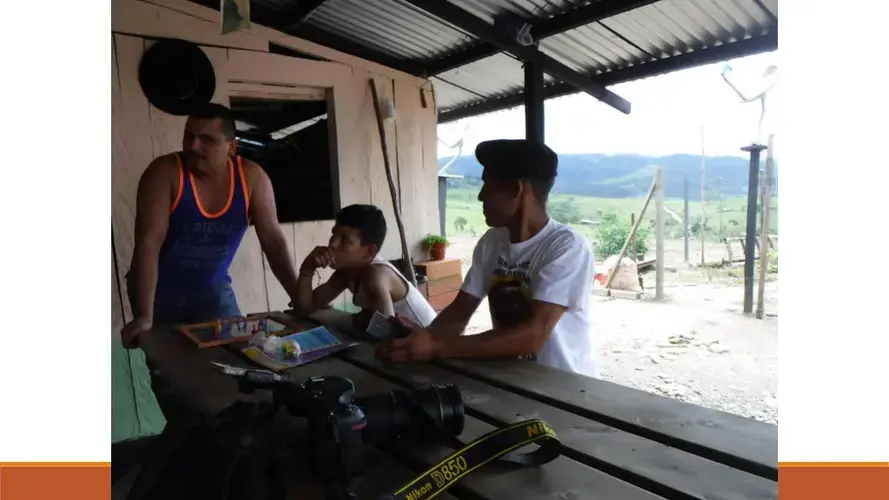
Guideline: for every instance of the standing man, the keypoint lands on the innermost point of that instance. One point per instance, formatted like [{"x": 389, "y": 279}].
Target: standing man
[
  {"x": 536, "y": 273},
  {"x": 193, "y": 208}
]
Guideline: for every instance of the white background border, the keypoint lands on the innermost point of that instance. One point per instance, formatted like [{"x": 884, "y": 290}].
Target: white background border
[{"x": 834, "y": 338}]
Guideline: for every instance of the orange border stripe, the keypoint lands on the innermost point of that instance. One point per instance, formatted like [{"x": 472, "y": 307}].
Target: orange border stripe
[
  {"x": 857, "y": 465},
  {"x": 244, "y": 187},
  {"x": 51, "y": 481},
  {"x": 833, "y": 480},
  {"x": 37, "y": 465},
  {"x": 231, "y": 193}
]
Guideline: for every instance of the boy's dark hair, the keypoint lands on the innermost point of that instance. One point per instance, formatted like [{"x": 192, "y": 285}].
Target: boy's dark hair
[
  {"x": 211, "y": 110},
  {"x": 368, "y": 220}
]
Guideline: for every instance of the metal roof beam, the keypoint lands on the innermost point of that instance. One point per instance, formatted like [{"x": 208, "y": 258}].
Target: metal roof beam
[
  {"x": 575, "y": 18},
  {"x": 688, "y": 60},
  {"x": 465, "y": 21}
]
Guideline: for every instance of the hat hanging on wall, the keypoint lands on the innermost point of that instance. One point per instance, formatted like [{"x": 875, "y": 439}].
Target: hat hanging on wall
[{"x": 175, "y": 75}]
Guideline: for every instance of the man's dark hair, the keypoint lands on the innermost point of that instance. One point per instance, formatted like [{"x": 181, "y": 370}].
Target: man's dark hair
[
  {"x": 211, "y": 110},
  {"x": 368, "y": 220},
  {"x": 541, "y": 189}
]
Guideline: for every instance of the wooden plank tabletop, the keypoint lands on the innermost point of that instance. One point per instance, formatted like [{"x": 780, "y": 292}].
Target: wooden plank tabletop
[{"x": 618, "y": 443}]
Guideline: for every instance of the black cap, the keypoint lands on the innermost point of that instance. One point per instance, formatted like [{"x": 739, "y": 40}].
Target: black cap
[{"x": 519, "y": 159}]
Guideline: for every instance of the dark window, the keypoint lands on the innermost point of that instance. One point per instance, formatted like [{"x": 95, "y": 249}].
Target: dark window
[{"x": 290, "y": 139}]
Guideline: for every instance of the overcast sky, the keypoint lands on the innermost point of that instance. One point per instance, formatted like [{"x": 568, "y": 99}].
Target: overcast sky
[{"x": 666, "y": 118}]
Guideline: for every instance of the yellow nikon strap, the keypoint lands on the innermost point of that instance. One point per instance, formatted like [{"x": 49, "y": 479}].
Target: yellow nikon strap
[{"x": 500, "y": 443}]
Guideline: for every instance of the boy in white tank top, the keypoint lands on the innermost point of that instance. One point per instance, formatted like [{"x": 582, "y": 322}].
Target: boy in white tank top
[{"x": 376, "y": 285}]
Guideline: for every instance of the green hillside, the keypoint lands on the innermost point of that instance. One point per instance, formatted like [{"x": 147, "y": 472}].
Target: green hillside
[{"x": 464, "y": 213}]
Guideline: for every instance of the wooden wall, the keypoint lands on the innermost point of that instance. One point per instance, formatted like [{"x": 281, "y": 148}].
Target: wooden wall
[{"x": 142, "y": 132}]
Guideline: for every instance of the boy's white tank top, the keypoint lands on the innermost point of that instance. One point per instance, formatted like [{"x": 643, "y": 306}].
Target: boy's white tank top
[{"x": 413, "y": 306}]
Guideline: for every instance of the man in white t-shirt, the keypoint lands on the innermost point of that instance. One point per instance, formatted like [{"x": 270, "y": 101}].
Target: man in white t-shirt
[{"x": 536, "y": 273}]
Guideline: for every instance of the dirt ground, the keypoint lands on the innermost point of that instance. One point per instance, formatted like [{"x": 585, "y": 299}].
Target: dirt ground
[{"x": 696, "y": 345}]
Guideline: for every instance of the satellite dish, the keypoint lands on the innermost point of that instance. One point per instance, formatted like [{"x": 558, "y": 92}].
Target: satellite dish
[{"x": 754, "y": 91}]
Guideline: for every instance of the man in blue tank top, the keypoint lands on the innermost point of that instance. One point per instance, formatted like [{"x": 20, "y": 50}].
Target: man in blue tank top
[{"x": 193, "y": 208}]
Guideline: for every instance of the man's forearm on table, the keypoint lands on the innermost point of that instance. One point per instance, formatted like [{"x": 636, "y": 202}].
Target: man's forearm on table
[
  {"x": 448, "y": 323},
  {"x": 145, "y": 281},
  {"x": 305, "y": 294},
  {"x": 282, "y": 266},
  {"x": 498, "y": 342}
]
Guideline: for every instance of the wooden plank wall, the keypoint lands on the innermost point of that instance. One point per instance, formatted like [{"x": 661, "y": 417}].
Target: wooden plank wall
[
  {"x": 417, "y": 139},
  {"x": 142, "y": 132}
]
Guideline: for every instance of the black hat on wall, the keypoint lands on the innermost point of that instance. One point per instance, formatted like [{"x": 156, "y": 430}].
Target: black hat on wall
[{"x": 175, "y": 75}]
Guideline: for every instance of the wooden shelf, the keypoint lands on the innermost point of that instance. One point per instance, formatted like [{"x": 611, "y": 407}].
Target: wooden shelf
[{"x": 443, "y": 280}]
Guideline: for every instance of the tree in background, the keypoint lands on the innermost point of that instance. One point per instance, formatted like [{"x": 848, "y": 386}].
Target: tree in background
[
  {"x": 564, "y": 210},
  {"x": 460, "y": 224},
  {"x": 612, "y": 233}
]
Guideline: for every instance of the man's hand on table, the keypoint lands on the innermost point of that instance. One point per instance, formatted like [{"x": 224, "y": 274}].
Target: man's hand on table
[
  {"x": 132, "y": 330},
  {"x": 418, "y": 345}
]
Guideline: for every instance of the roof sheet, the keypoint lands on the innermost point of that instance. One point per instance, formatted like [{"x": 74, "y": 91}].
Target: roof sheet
[
  {"x": 393, "y": 27},
  {"x": 624, "y": 42}
]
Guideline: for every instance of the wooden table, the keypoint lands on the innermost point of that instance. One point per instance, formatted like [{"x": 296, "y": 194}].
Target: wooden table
[{"x": 619, "y": 443}]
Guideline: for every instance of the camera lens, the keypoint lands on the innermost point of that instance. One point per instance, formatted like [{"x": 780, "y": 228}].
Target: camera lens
[{"x": 420, "y": 413}]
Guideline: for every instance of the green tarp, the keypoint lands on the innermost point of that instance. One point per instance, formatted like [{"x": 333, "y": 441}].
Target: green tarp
[{"x": 134, "y": 411}]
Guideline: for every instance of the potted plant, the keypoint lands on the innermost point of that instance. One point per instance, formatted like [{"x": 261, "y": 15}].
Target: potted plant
[{"x": 436, "y": 245}]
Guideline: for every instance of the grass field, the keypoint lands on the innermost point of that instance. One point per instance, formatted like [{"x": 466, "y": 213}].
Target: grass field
[{"x": 728, "y": 213}]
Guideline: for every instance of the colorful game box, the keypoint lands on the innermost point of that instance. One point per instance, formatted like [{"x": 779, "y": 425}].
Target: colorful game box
[{"x": 230, "y": 330}]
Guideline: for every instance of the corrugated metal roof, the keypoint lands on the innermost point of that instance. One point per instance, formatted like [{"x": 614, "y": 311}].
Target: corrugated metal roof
[
  {"x": 393, "y": 27},
  {"x": 490, "y": 77},
  {"x": 625, "y": 41},
  {"x": 662, "y": 29},
  {"x": 530, "y": 9}
]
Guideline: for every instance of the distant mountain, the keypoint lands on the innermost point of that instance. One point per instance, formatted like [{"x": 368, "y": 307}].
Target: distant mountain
[{"x": 627, "y": 176}]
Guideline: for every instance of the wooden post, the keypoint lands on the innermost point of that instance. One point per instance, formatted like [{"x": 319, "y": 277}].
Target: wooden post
[
  {"x": 633, "y": 239},
  {"x": 685, "y": 217},
  {"x": 659, "y": 234},
  {"x": 765, "y": 241},
  {"x": 750, "y": 237},
  {"x": 442, "y": 204},
  {"x": 623, "y": 251},
  {"x": 703, "y": 189},
  {"x": 534, "y": 110}
]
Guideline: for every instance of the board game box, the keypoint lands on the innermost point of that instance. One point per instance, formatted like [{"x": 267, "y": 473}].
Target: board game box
[{"x": 238, "y": 329}]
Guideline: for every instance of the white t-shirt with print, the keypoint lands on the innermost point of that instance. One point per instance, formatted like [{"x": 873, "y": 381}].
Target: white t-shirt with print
[{"x": 556, "y": 265}]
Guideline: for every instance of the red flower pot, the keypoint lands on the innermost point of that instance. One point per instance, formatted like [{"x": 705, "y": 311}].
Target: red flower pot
[{"x": 437, "y": 251}]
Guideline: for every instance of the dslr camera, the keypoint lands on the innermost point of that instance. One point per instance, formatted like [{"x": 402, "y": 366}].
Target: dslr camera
[{"x": 343, "y": 428}]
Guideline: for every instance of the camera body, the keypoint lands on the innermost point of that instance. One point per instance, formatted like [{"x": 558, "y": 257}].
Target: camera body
[
  {"x": 343, "y": 428},
  {"x": 336, "y": 426}
]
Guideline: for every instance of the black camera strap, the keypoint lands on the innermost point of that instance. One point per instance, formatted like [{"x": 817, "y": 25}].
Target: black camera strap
[{"x": 502, "y": 444}]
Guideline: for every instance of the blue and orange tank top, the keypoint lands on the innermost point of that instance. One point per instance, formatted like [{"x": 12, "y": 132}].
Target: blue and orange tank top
[{"x": 200, "y": 246}]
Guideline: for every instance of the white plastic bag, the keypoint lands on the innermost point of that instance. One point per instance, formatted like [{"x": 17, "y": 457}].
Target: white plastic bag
[{"x": 272, "y": 345}]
